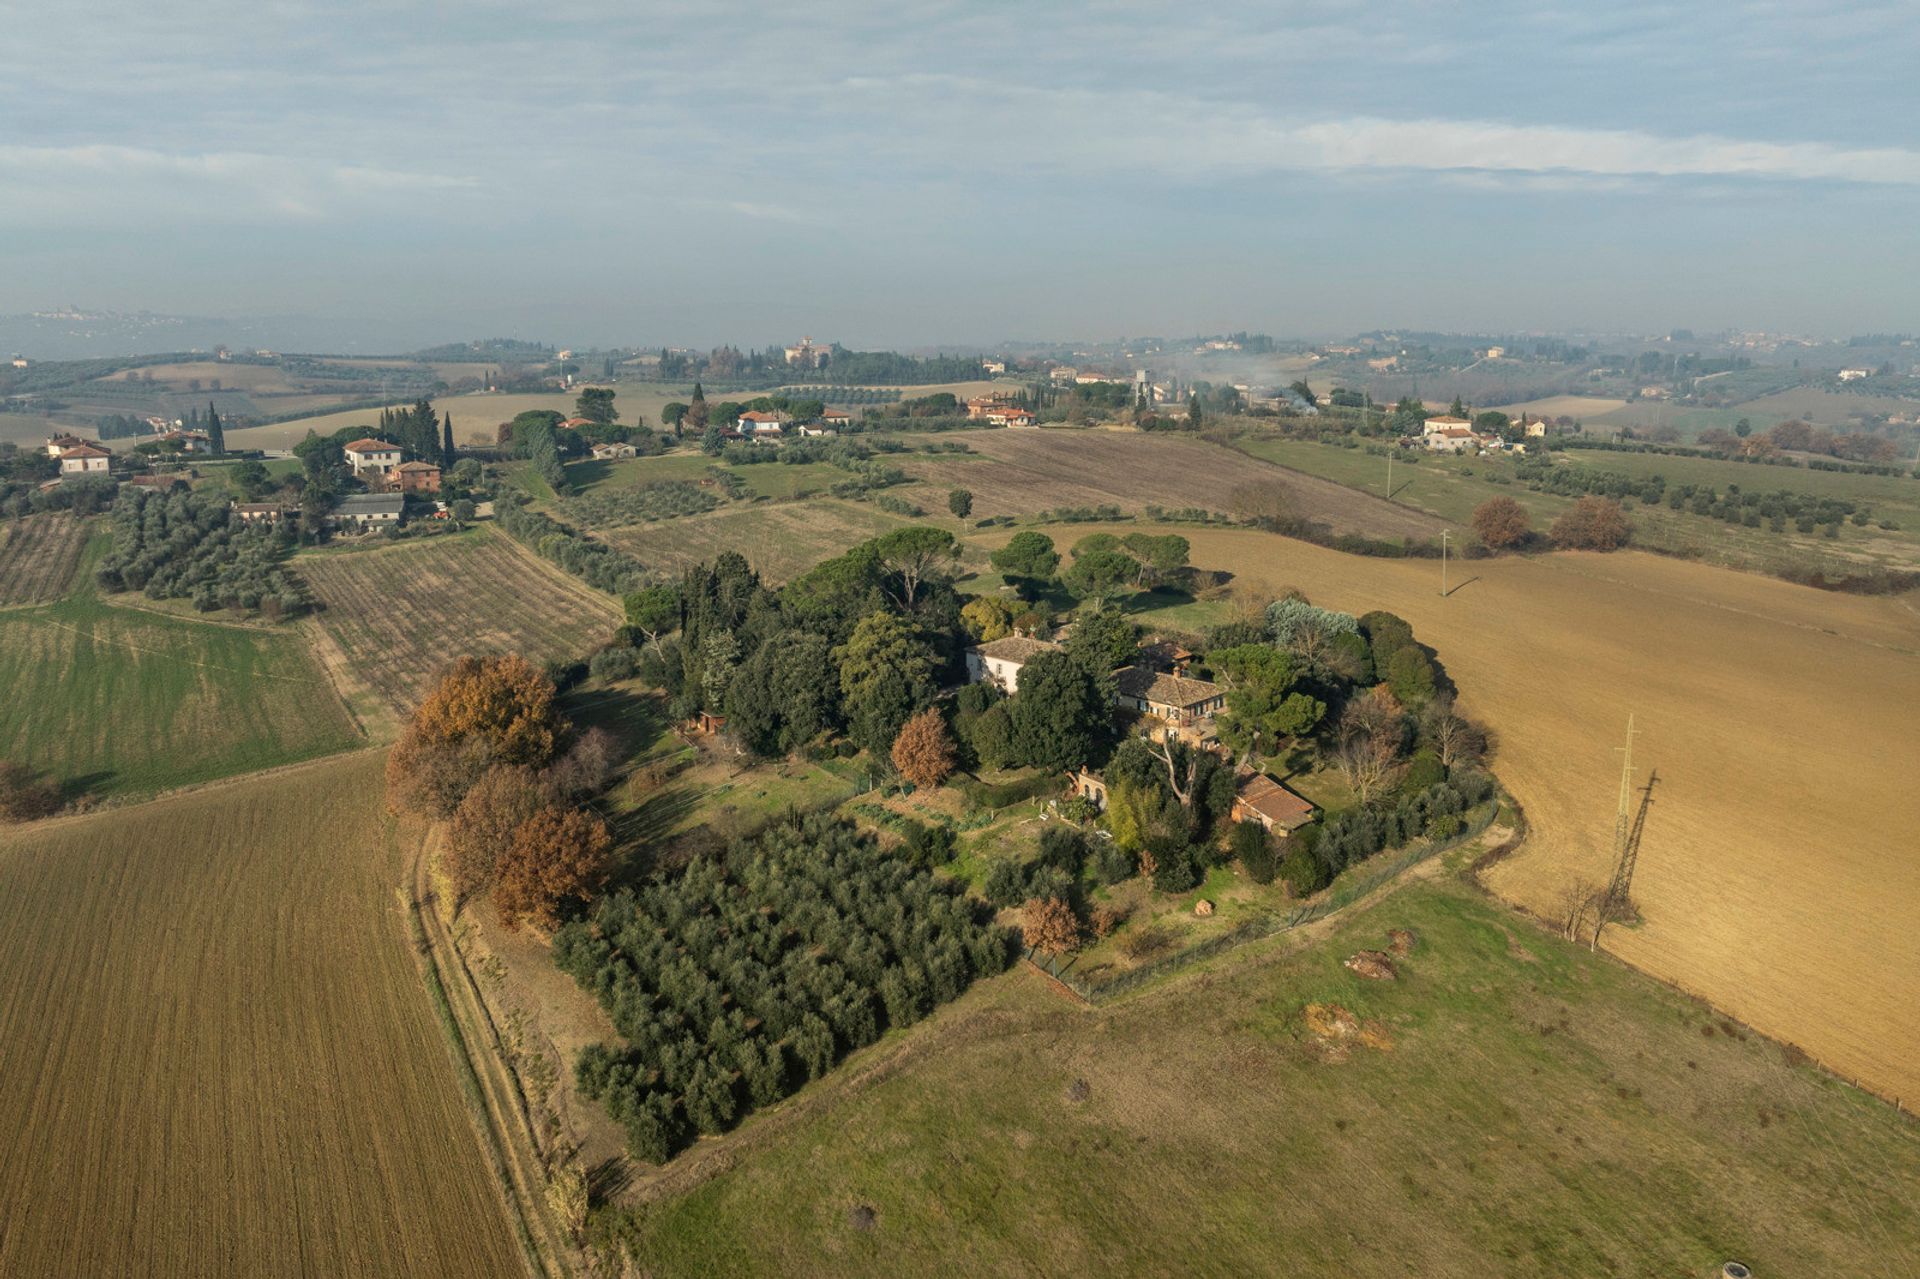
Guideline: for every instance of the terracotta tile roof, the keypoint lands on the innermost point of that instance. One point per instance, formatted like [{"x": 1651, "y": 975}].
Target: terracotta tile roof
[
  {"x": 1016, "y": 648},
  {"x": 86, "y": 450},
  {"x": 1275, "y": 802},
  {"x": 371, "y": 446},
  {"x": 1161, "y": 689},
  {"x": 417, "y": 468}
]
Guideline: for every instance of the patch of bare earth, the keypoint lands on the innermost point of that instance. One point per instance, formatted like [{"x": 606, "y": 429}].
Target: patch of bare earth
[{"x": 1022, "y": 472}]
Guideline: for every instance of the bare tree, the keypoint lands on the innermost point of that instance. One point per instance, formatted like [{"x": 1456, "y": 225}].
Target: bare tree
[
  {"x": 1366, "y": 761},
  {"x": 1162, "y": 750},
  {"x": 1579, "y": 902},
  {"x": 1453, "y": 735}
]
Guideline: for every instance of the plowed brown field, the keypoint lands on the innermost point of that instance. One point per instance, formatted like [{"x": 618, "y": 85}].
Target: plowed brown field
[
  {"x": 1022, "y": 472},
  {"x": 1778, "y": 875},
  {"x": 397, "y": 614},
  {"x": 217, "y": 1056}
]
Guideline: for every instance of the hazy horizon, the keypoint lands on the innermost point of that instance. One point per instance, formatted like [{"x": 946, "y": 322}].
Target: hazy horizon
[{"x": 941, "y": 174}]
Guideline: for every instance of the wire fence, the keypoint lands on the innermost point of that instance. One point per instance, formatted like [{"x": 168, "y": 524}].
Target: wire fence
[{"x": 1349, "y": 888}]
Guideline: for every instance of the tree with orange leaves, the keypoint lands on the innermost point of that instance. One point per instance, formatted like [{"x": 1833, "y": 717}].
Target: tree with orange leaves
[
  {"x": 557, "y": 856},
  {"x": 484, "y": 711},
  {"x": 923, "y": 752},
  {"x": 1050, "y": 926},
  {"x": 1501, "y": 523}
]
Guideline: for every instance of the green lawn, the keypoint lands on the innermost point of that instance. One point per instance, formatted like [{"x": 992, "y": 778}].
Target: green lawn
[
  {"x": 1511, "y": 1104},
  {"x": 115, "y": 701}
]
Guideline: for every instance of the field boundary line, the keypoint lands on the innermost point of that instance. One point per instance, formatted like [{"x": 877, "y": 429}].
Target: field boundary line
[
  {"x": 189, "y": 790},
  {"x": 496, "y": 1104}
]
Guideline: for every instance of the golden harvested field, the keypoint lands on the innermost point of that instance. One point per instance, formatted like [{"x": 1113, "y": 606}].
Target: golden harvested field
[
  {"x": 31, "y": 431},
  {"x": 232, "y": 377},
  {"x": 1777, "y": 877},
  {"x": 392, "y": 617},
  {"x": 217, "y": 1056},
  {"x": 781, "y": 540},
  {"x": 38, "y": 556},
  {"x": 1023, "y": 472}
]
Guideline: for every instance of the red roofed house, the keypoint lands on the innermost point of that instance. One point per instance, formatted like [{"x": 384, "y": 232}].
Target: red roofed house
[
  {"x": 61, "y": 443},
  {"x": 375, "y": 457},
  {"x": 84, "y": 460},
  {"x": 1449, "y": 434},
  {"x": 417, "y": 477},
  {"x": 1010, "y": 417},
  {"x": 189, "y": 441},
  {"x": 575, "y": 423},
  {"x": 1259, "y": 798}
]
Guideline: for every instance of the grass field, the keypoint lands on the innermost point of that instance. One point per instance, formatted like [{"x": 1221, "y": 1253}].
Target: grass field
[
  {"x": 1776, "y": 877},
  {"x": 31, "y": 431},
  {"x": 395, "y": 615},
  {"x": 777, "y": 480},
  {"x": 1574, "y": 406},
  {"x": 38, "y": 557},
  {"x": 217, "y": 1056},
  {"x": 781, "y": 540},
  {"x": 117, "y": 701},
  {"x": 1020, "y": 473},
  {"x": 1511, "y": 1105},
  {"x": 1451, "y": 487}
]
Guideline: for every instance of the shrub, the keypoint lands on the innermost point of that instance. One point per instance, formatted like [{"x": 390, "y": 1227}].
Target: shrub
[
  {"x": 1176, "y": 868},
  {"x": 24, "y": 796},
  {"x": 1501, "y": 523},
  {"x": 1113, "y": 865},
  {"x": 1303, "y": 873},
  {"x": 1593, "y": 524},
  {"x": 1423, "y": 772},
  {"x": 1254, "y": 847},
  {"x": 556, "y": 857},
  {"x": 611, "y": 665},
  {"x": 1050, "y": 926}
]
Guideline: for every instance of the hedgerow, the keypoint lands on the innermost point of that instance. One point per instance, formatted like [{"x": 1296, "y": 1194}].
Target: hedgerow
[
  {"x": 752, "y": 973},
  {"x": 595, "y": 563}
]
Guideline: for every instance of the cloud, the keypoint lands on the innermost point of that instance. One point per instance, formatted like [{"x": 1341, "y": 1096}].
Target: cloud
[
  {"x": 1160, "y": 134},
  {"x": 217, "y": 186}
]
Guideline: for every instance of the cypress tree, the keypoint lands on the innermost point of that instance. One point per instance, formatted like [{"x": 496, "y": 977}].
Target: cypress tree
[
  {"x": 216, "y": 437},
  {"x": 446, "y": 442}
]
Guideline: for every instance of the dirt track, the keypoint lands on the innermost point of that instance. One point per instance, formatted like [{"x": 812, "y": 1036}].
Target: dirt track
[{"x": 1778, "y": 874}]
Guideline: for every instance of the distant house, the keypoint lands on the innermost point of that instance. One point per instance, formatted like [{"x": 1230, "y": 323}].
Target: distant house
[
  {"x": 1854, "y": 375},
  {"x": 756, "y": 423},
  {"x": 369, "y": 512},
  {"x": 1000, "y": 660},
  {"x": 993, "y": 366},
  {"x": 982, "y": 406},
  {"x": 575, "y": 423},
  {"x": 836, "y": 418},
  {"x": 1184, "y": 706},
  {"x": 614, "y": 449},
  {"x": 1063, "y": 373},
  {"x": 262, "y": 512},
  {"x": 1259, "y": 798},
  {"x": 1447, "y": 434},
  {"x": 372, "y": 457},
  {"x": 417, "y": 477},
  {"x": 61, "y": 443},
  {"x": 1535, "y": 430},
  {"x": 188, "y": 441},
  {"x": 87, "y": 459},
  {"x": 809, "y": 354},
  {"x": 1010, "y": 417}
]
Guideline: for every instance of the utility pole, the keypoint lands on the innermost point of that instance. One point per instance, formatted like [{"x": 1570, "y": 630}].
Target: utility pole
[
  {"x": 1617, "y": 887},
  {"x": 1443, "y": 562},
  {"x": 1389, "y": 471}
]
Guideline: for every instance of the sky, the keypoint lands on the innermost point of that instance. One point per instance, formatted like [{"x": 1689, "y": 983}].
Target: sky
[{"x": 907, "y": 175}]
